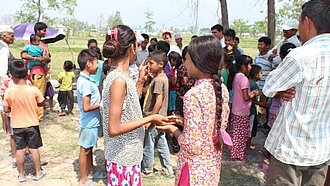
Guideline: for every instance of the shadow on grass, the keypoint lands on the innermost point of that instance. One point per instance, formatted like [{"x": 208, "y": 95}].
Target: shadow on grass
[
  {"x": 240, "y": 175},
  {"x": 99, "y": 166}
]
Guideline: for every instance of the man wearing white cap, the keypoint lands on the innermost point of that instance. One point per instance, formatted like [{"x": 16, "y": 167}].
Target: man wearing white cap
[
  {"x": 178, "y": 40},
  {"x": 6, "y": 38},
  {"x": 290, "y": 29}
]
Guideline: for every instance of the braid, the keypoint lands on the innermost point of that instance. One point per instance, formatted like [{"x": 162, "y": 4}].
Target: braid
[{"x": 218, "y": 94}]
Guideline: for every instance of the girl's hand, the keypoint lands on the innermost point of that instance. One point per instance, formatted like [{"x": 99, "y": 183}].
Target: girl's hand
[
  {"x": 167, "y": 128},
  {"x": 159, "y": 119},
  {"x": 175, "y": 119},
  {"x": 257, "y": 92}
]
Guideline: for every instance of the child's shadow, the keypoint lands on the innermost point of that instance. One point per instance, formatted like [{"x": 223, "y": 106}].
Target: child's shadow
[{"x": 99, "y": 168}]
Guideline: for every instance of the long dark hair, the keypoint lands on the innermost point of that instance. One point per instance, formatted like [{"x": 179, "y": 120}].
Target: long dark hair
[
  {"x": 118, "y": 40},
  {"x": 234, "y": 67},
  {"x": 206, "y": 54}
]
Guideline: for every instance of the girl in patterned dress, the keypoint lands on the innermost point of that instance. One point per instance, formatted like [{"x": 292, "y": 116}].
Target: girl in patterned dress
[
  {"x": 123, "y": 124},
  {"x": 240, "y": 113},
  {"x": 205, "y": 112}
]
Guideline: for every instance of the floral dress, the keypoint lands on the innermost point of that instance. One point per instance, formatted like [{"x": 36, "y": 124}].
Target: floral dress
[{"x": 198, "y": 150}]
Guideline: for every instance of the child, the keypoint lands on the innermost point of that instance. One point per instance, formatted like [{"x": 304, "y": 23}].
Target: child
[
  {"x": 240, "y": 113},
  {"x": 156, "y": 103},
  {"x": 276, "y": 101},
  {"x": 88, "y": 97},
  {"x": 175, "y": 59},
  {"x": 49, "y": 89},
  {"x": 34, "y": 50},
  {"x": 22, "y": 101},
  {"x": 122, "y": 115},
  {"x": 230, "y": 48},
  {"x": 65, "y": 95},
  {"x": 205, "y": 105},
  {"x": 255, "y": 75}
]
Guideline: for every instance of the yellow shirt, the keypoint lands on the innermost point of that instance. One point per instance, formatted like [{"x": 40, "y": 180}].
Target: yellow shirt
[
  {"x": 23, "y": 100},
  {"x": 66, "y": 79}
]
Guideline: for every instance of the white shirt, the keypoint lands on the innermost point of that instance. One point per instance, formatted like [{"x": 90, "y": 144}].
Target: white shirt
[
  {"x": 175, "y": 48},
  {"x": 222, "y": 41},
  {"x": 4, "y": 55},
  {"x": 294, "y": 40}
]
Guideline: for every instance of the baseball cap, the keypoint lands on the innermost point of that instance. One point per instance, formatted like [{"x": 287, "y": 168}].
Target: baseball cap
[
  {"x": 177, "y": 36},
  {"x": 6, "y": 28},
  {"x": 290, "y": 24}
]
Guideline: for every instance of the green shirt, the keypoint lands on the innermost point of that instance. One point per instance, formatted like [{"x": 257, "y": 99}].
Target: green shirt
[
  {"x": 253, "y": 86},
  {"x": 66, "y": 79}
]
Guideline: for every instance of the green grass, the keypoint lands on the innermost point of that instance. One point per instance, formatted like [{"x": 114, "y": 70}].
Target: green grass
[{"x": 60, "y": 51}]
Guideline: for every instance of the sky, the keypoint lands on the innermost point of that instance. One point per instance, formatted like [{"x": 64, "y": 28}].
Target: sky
[{"x": 168, "y": 13}]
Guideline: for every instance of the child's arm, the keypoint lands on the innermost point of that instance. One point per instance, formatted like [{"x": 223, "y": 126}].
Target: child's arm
[
  {"x": 117, "y": 96},
  {"x": 42, "y": 104},
  {"x": 26, "y": 56},
  {"x": 249, "y": 95},
  {"x": 87, "y": 104},
  {"x": 158, "y": 104}
]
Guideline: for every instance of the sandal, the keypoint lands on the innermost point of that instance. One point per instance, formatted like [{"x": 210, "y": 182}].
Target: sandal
[
  {"x": 21, "y": 179},
  {"x": 38, "y": 178}
]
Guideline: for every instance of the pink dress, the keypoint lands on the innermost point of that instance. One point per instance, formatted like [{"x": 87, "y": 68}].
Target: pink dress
[{"x": 199, "y": 157}]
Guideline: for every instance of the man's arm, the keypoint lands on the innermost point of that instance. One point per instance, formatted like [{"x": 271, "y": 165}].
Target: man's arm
[
  {"x": 287, "y": 75},
  {"x": 4, "y": 55}
]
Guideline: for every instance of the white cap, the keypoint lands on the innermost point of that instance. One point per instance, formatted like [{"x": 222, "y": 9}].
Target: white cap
[
  {"x": 290, "y": 24},
  {"x": 177, "y": 36},
  {"x": 6, "y": 28}
]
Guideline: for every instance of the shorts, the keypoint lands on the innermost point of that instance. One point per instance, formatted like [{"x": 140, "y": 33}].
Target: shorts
[
  {"x": 49, "y": 90},
  {"x": 27, "y": 137},
  {"x": 172, "y": 100},
  {"x": 88, "y": 137}
]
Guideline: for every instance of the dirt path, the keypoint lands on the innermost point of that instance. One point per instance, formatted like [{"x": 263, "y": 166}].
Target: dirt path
[{"x": 60, "y": 152}]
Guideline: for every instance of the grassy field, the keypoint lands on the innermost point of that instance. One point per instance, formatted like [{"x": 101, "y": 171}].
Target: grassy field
[{"x": 60, "y": 51}]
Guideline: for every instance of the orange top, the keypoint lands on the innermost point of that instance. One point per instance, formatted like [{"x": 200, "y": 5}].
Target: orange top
[{"x": 23, "y": 99}]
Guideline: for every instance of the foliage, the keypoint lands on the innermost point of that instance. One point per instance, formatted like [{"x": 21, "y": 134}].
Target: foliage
[
  {"x": 115, "y": 19},
  {"x": 34, "y": 10},
  {"x": 291, "y": 9},
  {"x": 150, "y": 23},
  {"x": 240, "y": 26},
  {"x": 259, "y": 27}
]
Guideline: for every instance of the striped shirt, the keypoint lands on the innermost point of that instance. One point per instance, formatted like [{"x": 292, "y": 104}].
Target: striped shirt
[
  {"x": 301, "y": 132},
  {"x": 266, "y": 67}
]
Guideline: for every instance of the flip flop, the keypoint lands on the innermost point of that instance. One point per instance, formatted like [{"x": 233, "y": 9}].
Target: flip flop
[
  {"x": 38, "y": 178},
  {"x": 97, "y": 175}
]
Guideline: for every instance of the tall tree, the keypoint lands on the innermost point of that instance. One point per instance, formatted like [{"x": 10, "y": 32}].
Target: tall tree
[
  {"x": 115, "y": 19},
  {"x": 271, "y": 19},
  {"x": 34, "y": 10},
  {"x": 150, "y": 23},
  {"x": 224, "y": 14}
]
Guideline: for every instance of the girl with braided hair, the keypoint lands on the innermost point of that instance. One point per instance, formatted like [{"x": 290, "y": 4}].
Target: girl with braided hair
[{"x": 205, "y": 116}]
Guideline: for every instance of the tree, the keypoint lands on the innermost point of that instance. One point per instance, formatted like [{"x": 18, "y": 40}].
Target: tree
[
  {"x": 291, "y": 9},
  {"x": 34, "y": 10},
  {"x": 224, "y": 14},
  {"x": 240, "y": 26},
  {"x": 271, "y": 20},
  {"x": 115, "y": 19},
  {"x": 150, "y": 23}
]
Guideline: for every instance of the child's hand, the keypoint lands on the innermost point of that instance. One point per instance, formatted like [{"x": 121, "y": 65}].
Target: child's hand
[
  {"x": 271, "y": 57},
  {"x": 175, "y": 119},
  {"x": 159, "y": 119},
  {"x": 167, "y": 128},
  {"x": 257, "y": 92}
]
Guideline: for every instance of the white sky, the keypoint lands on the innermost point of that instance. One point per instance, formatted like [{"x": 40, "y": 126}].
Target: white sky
[{"x": 167, "y": 13}]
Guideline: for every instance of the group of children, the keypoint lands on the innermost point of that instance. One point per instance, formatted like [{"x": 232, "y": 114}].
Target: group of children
[{"x": 136, "y": 114}]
